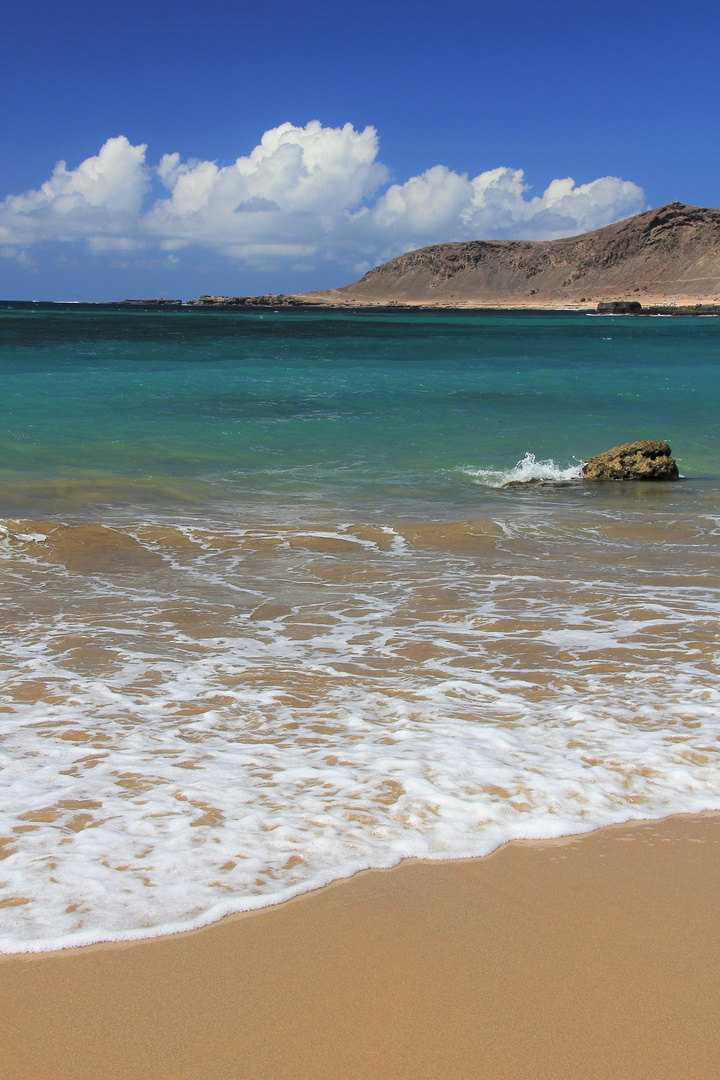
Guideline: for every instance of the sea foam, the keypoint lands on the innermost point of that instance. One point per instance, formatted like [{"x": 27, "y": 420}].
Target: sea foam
[
  {"x": 527, "y": 471},
  {"x": 262, "y": 710}
]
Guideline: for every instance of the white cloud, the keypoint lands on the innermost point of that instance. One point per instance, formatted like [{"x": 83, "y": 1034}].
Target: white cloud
[
  {"x": 442, "y": 205},
  {"x": 290, "y": 196},
  {"x": 21, "y": 257},
  {"x": 304, "y": 193},
  {"x": 103, "y": 195},
  {"x": 435, "y": 200},
  {"x": 115, "y": 243}
]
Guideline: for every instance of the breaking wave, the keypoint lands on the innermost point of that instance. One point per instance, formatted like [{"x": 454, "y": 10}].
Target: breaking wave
[{"x": 527, "y": 471}]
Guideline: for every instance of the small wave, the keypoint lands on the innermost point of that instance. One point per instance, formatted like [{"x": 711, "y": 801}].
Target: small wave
[{"x": 527, "y": 471}]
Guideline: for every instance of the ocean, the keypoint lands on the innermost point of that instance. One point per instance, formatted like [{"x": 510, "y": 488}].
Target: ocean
[{"x": 288, "y": 594}]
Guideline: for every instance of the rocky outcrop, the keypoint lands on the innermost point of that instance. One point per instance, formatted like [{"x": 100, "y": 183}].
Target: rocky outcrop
[
  {"x": 643, "y": 460},
  {"x": 159, "y": 301},
  {"x": 619, "y": 307},
  {"x": 268, "y": 300}
]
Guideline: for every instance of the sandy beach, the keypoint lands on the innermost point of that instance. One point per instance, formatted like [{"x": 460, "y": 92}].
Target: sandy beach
[
  {"x": 334, "y": 298},
  {"x": 594, "y": 957}
]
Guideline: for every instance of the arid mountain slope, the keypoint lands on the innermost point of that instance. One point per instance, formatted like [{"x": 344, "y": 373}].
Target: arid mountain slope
[{"x": 672, "y": 253}]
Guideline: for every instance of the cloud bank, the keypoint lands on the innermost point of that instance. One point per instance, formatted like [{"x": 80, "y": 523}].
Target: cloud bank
[{"x": 303, "y": 195}]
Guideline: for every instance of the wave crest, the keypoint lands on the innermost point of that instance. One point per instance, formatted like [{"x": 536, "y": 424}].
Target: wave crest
[{"x": 527, "y": 471}]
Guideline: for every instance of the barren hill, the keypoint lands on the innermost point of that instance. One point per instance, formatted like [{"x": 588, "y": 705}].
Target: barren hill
[{"x": 672, "y": 253}]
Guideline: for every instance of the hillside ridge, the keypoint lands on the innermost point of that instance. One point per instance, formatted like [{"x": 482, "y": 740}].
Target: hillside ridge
[{"x": 664, "y": 255}]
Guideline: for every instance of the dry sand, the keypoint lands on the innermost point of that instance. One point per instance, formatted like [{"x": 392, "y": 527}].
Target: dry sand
[
  {"x": 334, "y": 298},
  {"x": 594, "y": 957}
]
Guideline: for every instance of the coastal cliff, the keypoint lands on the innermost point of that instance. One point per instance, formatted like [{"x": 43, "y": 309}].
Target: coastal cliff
[{"x": 671, "y": 254}]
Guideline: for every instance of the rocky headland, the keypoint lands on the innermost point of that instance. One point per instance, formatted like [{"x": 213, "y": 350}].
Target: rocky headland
[{"x": 656, "y": 259}]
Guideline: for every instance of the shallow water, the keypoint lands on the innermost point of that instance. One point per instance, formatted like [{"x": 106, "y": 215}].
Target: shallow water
[{"x": 270, "y": 613}]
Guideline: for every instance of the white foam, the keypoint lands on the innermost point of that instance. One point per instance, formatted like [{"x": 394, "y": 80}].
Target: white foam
[
  {"x": 220, "y": 753},
  {"x": 527, "y": 471}
]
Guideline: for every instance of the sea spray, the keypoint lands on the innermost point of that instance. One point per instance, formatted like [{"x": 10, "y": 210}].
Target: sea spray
[{"x": 527, "y": 471}]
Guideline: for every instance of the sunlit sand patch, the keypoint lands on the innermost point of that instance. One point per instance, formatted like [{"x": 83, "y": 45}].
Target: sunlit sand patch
[
  {"x": 97, "y": 549},
  {"x": 330, "y": 544},
  {"x": 49, "y": 814},
  {"x": 268, "y": 612},
  {"x": 461, "y": 536}
]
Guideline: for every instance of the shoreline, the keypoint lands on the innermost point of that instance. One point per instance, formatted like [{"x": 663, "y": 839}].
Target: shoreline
[
  {"x": 318, "y": 302},
  {"x": 593, "y": 955},
  {"x": 654, "y": 307}
]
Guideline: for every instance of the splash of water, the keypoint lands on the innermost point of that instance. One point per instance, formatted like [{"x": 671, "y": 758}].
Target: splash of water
[{"x": 527, "y": 471}]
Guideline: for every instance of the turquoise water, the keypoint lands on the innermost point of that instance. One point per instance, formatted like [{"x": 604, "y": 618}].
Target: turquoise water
[
  {"x": 273, "y": 607},
  {"x": 341, "y": 405}
]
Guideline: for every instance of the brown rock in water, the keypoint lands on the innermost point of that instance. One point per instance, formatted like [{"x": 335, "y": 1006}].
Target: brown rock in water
[
  {"x": 643, "y": 460},
  {"x": 619, "y": 307}
]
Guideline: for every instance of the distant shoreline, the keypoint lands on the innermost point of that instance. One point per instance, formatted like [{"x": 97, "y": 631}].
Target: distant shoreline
[{"x": 302, "y": 303}]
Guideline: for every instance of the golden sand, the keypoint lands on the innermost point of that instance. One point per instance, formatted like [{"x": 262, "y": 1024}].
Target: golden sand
[{"x": 591, "y": 958}]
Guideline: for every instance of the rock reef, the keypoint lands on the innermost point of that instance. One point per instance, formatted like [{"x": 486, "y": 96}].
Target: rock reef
[
  {"x": 159, "y": 301},
  {"x": 268, "y": 300}
]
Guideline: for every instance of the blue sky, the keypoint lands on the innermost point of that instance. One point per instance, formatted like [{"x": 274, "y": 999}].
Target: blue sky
[{"x": 433, "y": 123}]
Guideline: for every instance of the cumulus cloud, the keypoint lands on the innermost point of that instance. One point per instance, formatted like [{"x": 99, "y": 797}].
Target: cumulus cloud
[
  {"x": 304, "y": 193},
  {"x": 442, "y": 204},
  {"x": 103, "y": 195},
  {"x": 290, "y": 197}
]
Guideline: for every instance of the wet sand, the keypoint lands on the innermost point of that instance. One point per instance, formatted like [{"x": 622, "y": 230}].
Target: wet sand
[{"x": 592, "y": 957}]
